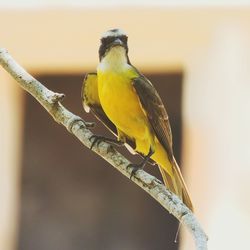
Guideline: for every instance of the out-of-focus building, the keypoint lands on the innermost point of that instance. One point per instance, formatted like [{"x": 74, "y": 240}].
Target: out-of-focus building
[{"x": 208, "y": 47}]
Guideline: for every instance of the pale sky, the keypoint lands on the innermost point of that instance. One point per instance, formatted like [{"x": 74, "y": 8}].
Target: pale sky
[{"x": 108, "y": 3}]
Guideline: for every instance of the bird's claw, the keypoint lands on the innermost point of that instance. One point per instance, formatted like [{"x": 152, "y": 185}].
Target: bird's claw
[
  {"x": 135, "y": 168},
  {"x": 97, "y": 139}
]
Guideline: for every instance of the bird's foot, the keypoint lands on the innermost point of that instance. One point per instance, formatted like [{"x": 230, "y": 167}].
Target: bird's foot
[
  {"x": 97, "y": 139},
  {"x": 135, "y": 168},
  {"x": 83, "y": 124},
  {"x": 141, "y": 165}
]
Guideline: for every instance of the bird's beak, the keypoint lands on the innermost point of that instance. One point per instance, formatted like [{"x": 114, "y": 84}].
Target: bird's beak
[{"x": 117, "y": 42}]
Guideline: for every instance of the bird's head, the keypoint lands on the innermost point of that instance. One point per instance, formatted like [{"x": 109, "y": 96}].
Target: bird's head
[{"x": 114, "y": 40}]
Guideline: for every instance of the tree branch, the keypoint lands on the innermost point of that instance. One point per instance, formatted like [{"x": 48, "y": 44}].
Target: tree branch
[{"x": 51, "y": 101}]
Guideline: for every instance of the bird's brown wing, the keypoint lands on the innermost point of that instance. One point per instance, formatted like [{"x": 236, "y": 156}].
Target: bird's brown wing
[
  {"x": 158, "y": 118},
  {"x": 156, "y": 113}
]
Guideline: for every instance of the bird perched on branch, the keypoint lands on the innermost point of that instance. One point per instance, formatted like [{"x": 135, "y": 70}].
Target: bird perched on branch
[{"x": 129, "y": 105}]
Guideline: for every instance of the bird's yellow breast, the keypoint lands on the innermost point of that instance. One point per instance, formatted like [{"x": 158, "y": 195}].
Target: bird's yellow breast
[{"x": 120, "y": 102}]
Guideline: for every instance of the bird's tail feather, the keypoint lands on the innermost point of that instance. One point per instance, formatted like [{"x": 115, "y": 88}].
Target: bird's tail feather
[{"x": 176, "y": 184}]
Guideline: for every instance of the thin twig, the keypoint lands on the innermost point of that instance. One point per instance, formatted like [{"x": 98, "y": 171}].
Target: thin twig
[{"x": 51, "y": 101}]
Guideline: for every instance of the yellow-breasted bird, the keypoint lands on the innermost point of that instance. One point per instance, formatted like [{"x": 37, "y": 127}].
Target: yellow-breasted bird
[{"x": 129, "y": 105}]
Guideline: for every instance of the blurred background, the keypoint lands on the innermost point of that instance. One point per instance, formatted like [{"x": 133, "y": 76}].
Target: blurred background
[{"x": 57, "y": 194}]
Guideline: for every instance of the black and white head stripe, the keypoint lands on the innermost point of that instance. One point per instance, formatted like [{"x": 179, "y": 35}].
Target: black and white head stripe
[
  {"x": 113, "y": 33},
  {"x": 108, "y": 39}
]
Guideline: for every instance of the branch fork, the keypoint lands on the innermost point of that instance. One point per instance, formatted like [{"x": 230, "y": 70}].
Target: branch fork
[{"x": 56, "y": 97}]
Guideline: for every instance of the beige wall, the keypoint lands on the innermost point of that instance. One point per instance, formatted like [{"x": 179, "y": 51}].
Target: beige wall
[
  {"x": 66, "y": 40},
  {"x": 11, "y": 110},
  {"x": 217, "y": 137}
]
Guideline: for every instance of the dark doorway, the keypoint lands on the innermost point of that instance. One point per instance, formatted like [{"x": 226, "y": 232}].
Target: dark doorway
[{"x": 71, "y": 198}]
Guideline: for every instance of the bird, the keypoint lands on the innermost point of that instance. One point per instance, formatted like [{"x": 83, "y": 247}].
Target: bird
[{"x": 128, "y": 104}]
